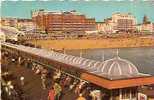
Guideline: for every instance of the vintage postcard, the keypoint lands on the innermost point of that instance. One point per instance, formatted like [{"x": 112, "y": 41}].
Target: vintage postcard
[{"x": 77, "y": 49}]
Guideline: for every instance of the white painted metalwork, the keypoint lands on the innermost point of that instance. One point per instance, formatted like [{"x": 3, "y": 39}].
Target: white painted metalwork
[{"x": 113, "y": 67}]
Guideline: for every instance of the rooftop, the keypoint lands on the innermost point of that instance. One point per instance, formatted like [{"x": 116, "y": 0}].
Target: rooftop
[
  {"x": 59, "y": 12},
  {"x": 86, "y": 67},
  {"x": 10, "y": 30},
  {"x": 112, "y": 69}
]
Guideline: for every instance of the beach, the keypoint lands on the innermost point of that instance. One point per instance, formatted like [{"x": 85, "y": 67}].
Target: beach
[{"x": 71, "y": 44}]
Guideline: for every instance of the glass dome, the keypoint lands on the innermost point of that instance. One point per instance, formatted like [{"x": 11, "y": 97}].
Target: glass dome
[{"x": 117, "y": 67}]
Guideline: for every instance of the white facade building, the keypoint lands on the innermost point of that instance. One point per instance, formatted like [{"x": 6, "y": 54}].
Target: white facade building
[
  {"x": 148, "y": 27},
  {"x": 124, "y": 22},
  {"x": 2, "y": 36},
  {"x": 105, "y": 27},
  {"x": 118, "y": 22},
  {"x": 12, "y": 22},
  {"x": 26, "y": 26}
]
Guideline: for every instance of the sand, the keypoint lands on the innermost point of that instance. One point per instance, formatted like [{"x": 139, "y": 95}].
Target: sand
[{"x": 94, "y": 43}]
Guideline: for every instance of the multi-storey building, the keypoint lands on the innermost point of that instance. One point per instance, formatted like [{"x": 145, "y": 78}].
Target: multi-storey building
[
  {"x": 104, "y": 27},
  {"x": 118, "y": 22},
  {"x": 153, "y": 26},
  {"x": 124, "y": 22},
  {"x": 9, "y": 22},
  {"x": 25, "y": 25},
  {"x": 148, "y": 27},
  {"x": 67, "y": 22}
]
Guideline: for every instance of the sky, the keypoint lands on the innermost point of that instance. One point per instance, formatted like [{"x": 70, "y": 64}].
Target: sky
[{"x": 98, "y": 9}]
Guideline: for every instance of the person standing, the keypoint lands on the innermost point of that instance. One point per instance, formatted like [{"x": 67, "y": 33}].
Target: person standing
[
  {"x": 51, "y": 95},
  {"x": 58, "y": 90},
  {"x": 96, "y": 94},
  {"x": 22, "y": 80},
  {"x": 81, "y": 97},
  {"x": 43, "y": 79},
  {"x": 9, "y": 87}
]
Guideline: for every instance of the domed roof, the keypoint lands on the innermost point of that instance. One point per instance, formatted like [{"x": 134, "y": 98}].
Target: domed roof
[{"x": 117, "y": 67}]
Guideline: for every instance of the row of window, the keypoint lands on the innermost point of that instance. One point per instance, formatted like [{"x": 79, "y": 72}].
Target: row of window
[
  {"x": 72, "y": 28},
  {"x": 73, "y": 25}
]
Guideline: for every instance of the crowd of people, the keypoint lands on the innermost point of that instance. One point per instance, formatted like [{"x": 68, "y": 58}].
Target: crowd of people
[
  {"x": 61, "y": 83},
  {"x": 11, "y": 85}
]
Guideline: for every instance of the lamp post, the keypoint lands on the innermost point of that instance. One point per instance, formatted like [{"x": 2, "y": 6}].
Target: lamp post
[
  {"x": 81, "y": 53},
  {"x": 102, "y": 55}
]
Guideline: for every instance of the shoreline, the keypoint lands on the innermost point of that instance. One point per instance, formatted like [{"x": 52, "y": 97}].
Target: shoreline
[
  {"x": 111, "y": 48},
  {"x": 77, "y": 44}
]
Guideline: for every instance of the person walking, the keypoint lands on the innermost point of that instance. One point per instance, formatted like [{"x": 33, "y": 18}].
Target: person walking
[
  {"x": 58, "y": 90},
  {"x": 81, "y": 97},
  {"x": 51, "y": 95},
  {"x": 22, "y": 80},
  {"x": 43, "y": 79},
  {"x": 44, "y": 73},
  {"x": 8, "y": 87}
]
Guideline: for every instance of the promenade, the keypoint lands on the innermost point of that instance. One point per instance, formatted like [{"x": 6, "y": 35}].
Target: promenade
[{"x": 32, "y": 90}]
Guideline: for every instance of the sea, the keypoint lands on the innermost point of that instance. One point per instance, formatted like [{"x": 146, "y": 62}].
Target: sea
[{"x": 142, "y": 57}]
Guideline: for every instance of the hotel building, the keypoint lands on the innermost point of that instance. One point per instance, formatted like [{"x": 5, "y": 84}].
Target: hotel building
[
  {"x": 105, "y": 27},
  {"x": 9, "y": 22},
  {"x": 25, "y": 25},
  {"x": 66, "y": 22},
  {"x": 124, "y": 22},
  {"x": 149, "y": 27},
  {"x": 146, "y": 26}
]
